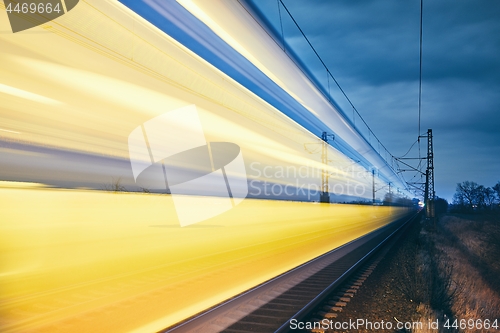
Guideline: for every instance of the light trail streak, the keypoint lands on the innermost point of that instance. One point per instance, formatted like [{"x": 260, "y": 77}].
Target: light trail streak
[
  {"x": 92, "y": 261},
  {"x": 9, "y": 131},
  {"x": 27, "y": 95}
]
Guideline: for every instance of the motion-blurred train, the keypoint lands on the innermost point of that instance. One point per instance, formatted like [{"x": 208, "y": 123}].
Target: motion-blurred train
[{"x": 159, "y": 157}]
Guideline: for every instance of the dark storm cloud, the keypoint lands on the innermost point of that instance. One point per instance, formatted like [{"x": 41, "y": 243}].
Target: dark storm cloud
[
  {"x": 361, "y": 38},
  {"x": 378, "y": 41},
  {"x": 372, "y": 48}
]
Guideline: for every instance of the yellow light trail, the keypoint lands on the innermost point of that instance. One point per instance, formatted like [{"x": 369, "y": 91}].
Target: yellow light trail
[
  {"x": 115, "y": 78},
  {"x": 91, "y": 261},
  {"x": 94, "y": 261}
]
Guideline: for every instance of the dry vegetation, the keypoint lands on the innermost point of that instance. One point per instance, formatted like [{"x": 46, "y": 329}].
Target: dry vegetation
[
  {"x": 426, "y": 279},
  {"x": 471, "y": 243},
  {"x": 454, "y": 272},
  {"x": 437, "y": 273}
]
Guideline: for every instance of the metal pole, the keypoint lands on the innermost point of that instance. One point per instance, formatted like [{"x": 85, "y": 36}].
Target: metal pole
[
  {"x": 325, "y": 195},
  {"x": 430, "y": 177},
  {"x": 373, "y": 185}
]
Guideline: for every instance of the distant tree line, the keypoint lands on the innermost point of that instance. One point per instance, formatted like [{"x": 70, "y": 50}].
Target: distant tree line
[
  {"x": 471, "y": 196},
  {"x": 440, "y": 206},
  {"x": 391, "y": 199}
]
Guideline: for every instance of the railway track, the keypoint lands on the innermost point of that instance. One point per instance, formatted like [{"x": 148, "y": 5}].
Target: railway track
[{"x": 295, "y": 294}]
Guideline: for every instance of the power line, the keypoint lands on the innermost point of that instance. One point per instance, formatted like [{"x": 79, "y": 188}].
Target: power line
[
  {"x": 409, "y": 149},
  {"x": 370, "y": 131},
  {"x": 281, "y": 25},
  {"x": 420, "y": 73},
  {"x": 314, "y": 50}
]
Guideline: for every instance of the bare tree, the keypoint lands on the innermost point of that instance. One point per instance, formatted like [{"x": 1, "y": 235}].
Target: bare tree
[
  {"x": 479, "y": 197},
  {"x": 468, "y": 194},
  {"x": 489, "y": 197},
  {"x": 496, "y": 188}
]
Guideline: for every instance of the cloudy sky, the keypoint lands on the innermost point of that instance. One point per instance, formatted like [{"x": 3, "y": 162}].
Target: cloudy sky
[{"x": 372, "y": 49}]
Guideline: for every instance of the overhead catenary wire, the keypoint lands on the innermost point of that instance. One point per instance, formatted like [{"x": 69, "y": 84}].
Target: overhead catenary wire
[
  {"x": 413, "y": 144},
  {"x": 329, "y": 74},
  {"x": 420, "y": 73},
  {"x": 281, "y": 26},
  {"x": 419, "y": 166}
]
